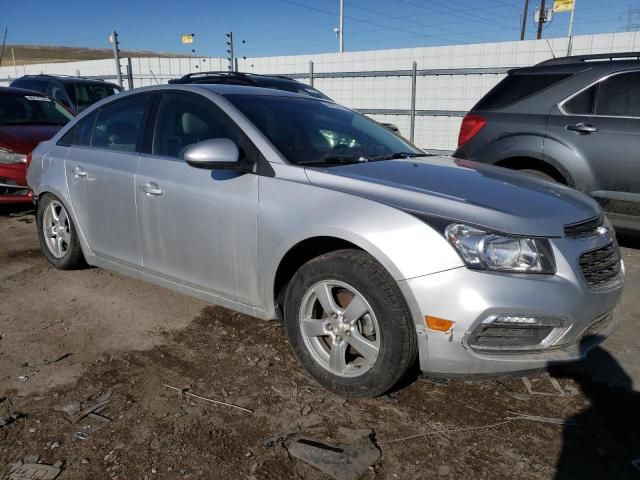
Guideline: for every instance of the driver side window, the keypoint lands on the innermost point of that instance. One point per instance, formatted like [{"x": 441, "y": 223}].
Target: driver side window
[{"x": 184, "y": 120}]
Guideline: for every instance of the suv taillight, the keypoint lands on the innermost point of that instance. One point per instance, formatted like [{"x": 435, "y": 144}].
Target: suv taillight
[{"x": 471, "y": 125}]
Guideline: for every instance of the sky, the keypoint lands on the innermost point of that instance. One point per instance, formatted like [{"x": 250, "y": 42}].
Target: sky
[{"x": 287, "y": 27}]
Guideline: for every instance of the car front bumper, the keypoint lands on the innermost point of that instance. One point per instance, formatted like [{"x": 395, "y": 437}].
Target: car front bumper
[
  {"x": 470, "y": 297},
  {"x": 13, "y": 184}
]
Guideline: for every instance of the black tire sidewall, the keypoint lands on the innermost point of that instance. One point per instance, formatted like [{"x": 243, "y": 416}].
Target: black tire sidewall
[
  {"x": 73, "y": 257},
  {"x": 397, "y": 331}
]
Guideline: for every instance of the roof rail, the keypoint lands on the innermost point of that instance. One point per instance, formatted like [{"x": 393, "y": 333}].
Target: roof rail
[
  {"x": 214, "y": 72},
  {"x": 593, "y": 57}
]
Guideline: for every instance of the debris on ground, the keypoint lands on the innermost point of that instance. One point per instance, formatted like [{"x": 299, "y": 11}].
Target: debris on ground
[
  {"x": 558, "y": 390},
  {"x": 28, "y": 469},
  {"x": 185, "y": 391},
  {"x": 7, "y": 414},
  {"x": 57, "y": 359},
  {"x": 75, "y": 411},
  {"x": 281, "y": 437},
  {"x": 536, "y": 418},
  {"x": 348, "y": 462}
]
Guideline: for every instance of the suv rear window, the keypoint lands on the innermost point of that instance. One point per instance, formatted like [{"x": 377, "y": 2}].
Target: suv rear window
[{"x": 515, "y": 87}]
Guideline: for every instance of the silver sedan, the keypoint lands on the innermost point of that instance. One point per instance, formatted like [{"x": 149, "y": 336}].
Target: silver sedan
[{"x": 373, "y": 255}]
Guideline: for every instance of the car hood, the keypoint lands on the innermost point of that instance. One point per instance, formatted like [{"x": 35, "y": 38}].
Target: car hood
[
  {"x": 463, "y": 191},
  {"x": 24, "y": 138}
]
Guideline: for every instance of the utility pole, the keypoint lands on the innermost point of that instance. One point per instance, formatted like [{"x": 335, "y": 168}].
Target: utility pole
[
  {"x": 524, "y": 19},
  {"x": 541, "y": 19},
  {"x": 341, "y": 31},
  {"x": 230, "y": 66},
  {"x": 570, "y": 34},
  {"x": 4, "y": 40},
  {"x": 113, "y": 40}
]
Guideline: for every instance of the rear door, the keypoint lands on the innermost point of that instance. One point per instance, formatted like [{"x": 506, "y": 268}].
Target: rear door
[
  {"x": 601, "y": 126},
  {"x": 198, "y": 226},
  {"x": 101, "y": 166}
]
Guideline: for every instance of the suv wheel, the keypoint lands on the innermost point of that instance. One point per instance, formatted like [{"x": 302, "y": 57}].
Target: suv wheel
[
  {"x": 57, "y": 234},
  {"x": 349, "y": 325}
]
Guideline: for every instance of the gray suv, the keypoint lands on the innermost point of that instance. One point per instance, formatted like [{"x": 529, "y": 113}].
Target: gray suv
[{"x": 573, "y": 120}]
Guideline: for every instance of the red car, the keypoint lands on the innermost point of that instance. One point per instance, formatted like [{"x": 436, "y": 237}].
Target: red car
[{"x": 26, "y": 119}]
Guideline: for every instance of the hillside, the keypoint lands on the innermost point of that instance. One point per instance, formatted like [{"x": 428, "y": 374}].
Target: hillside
[{"x": 27, "y": 54}]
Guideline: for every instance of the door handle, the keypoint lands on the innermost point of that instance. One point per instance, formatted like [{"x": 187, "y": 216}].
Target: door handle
[
  {"x": 582, "y": 128},
  {"x": 151, "y": 189},
  {"x": 78, "y": 171}
]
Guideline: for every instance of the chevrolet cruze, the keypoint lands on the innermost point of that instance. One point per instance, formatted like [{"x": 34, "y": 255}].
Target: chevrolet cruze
[{"x": 373, "y": 255}]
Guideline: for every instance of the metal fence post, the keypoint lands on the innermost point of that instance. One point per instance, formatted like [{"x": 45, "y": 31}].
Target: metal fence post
[
  {"x": 414, "y": 75},
  {"x": 311, "y": 72},
  {"x": 129, "y": 73}
]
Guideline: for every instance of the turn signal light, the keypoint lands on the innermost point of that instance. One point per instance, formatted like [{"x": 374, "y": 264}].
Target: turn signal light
[{"x": 438, "y": 324}]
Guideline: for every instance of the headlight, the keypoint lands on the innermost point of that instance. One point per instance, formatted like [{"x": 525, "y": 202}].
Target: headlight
[
  {"x": 7, "y": 156},
  {"x": 485, "y": 250}
]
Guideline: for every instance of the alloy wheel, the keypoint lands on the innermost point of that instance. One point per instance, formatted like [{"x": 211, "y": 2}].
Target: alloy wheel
[
  {"x": 339, "y": 328},
  {"x": 56, "y": 229}
]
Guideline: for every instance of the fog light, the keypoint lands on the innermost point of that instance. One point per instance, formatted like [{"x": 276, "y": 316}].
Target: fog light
[
  {"x": 438, "y": 324},
  {"x": 509, "y": 333}
]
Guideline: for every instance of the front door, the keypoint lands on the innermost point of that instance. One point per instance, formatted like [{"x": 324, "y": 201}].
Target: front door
[
  {"x": 198, "y": 226},
  {"x": 101, "y": 165}
]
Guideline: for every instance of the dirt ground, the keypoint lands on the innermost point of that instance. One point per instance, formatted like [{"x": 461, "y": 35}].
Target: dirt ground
[{"x": 84, "y": 335}]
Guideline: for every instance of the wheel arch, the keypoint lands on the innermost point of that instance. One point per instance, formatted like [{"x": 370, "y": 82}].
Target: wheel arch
[
  {"x": 298, "y": 255},
  {"x": 555, "y": 171}
]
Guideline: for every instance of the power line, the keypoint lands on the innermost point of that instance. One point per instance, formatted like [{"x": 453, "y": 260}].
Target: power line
[{"x": 356, "y": 19}]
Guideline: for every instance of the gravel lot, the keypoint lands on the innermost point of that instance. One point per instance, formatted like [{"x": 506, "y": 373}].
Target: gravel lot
[{"x": 76, "y": 336}]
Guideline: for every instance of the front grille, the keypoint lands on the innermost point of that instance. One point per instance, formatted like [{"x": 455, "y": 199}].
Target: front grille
[
  {"x": 587, "y": 227},
  {"x": 601, "y": 267}
]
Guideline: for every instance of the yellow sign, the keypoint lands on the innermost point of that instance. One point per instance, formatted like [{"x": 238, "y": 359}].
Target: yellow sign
[
  {"x": 187, "y": 38},
  {"x": 563, "y": 5}
]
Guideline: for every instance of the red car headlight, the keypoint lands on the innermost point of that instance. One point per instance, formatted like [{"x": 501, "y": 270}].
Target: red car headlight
[{"x": 7, "y": 156}]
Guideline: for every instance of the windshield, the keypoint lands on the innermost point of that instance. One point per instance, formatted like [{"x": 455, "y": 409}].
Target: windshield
[
  {"x": 20, "y": 109},
  {"x": 313, "y": 132}
]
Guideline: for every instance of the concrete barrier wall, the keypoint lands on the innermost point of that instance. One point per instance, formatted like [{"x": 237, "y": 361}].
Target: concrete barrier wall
[{"x": 456, "y": 92}]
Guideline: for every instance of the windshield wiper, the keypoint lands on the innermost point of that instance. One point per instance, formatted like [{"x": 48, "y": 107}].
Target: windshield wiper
[
  {"x": 395, "y": 156},
  {"x": 336, "y": 160}
]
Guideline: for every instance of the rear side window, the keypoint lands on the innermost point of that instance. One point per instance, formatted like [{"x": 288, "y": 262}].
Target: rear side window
[
  {"x": 88, "y": 94},
  {"x": 517, "y": 87},
  {"x": 119, "y": 124},
  {"x": 619, "y": 96},
  {"x": 581, "y": 104}
]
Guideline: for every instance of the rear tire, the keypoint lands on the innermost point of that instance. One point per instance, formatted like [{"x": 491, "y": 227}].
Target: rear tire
[
  {"x": 57, "y": 234},
  {"x": 359, "y": 349}
]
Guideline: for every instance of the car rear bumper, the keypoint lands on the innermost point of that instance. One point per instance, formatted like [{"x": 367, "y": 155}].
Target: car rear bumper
[
  {"x": 470, "y": 297},
  {"x": 13, "y": 184}
]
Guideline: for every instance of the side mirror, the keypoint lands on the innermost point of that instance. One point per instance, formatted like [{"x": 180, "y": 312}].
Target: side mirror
[{"x": 215, "y": 154}]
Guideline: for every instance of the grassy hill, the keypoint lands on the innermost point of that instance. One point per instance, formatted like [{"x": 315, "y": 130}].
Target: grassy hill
[{"x": 27, "y": 54}]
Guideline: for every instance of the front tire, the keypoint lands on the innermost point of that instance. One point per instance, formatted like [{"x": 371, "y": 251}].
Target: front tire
[
  {"x": 349, "y": 325},
  {"x": 57, "y": 234}
]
